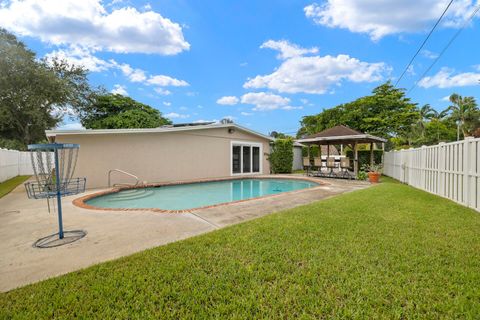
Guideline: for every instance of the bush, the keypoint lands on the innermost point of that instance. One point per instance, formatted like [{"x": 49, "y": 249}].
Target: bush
[
  {"x": 364, "y": 157},
  {"x": 281, "y": 157},
  {"x": 12, "y": 144}
]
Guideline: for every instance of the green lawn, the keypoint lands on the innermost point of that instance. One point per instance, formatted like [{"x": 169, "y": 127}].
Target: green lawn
[
  {"x": 390, "y": 252},
  {"x": 9, "y": 185}
]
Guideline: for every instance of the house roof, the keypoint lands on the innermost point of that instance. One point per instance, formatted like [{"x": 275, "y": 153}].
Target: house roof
[
  {"x": 340, "y": 135},
  {"x": 53, "y": 133}
]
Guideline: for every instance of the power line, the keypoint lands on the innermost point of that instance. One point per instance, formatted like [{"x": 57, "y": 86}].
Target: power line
[
  {"x": 446, "y": 47},
  {"x": 423, "y": 43}
]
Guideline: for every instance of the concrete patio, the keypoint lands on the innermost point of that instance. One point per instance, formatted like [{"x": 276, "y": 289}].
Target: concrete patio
[{"x": 113, "y": 234}]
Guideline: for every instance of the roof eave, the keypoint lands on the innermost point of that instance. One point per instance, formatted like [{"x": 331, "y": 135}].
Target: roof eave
[
  {"x": 53, "y": 133},
  {"x": 340, "y": 138}
]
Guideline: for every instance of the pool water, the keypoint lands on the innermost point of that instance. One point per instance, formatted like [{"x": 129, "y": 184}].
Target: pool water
[{"x": 194, "y": 195}]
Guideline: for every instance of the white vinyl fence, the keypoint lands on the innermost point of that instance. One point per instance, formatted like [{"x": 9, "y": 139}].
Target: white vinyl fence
[
  {"x": 450, "y": 170},
  {"x": 14, "y": 163}
]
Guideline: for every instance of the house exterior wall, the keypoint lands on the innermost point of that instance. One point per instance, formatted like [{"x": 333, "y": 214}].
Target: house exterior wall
[{"x": 159, "y": 157}]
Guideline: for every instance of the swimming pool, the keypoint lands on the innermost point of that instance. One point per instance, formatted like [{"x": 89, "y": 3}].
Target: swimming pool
[{"x": 195, "y": 195}]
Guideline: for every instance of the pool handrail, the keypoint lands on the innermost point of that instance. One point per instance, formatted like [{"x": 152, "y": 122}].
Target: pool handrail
[{"x": 125, "y": 173}]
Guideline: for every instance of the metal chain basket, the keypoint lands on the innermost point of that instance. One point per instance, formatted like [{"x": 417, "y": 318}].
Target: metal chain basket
[{"x": 53, "y": 166}]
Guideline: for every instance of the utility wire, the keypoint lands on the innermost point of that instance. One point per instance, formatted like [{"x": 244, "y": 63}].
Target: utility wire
[
  {"x": 423, "y": 43},
  {"x": 445, "y": 48}
]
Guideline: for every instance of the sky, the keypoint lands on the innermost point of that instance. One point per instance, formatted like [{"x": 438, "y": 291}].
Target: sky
[{"x": 263, "y": 64}]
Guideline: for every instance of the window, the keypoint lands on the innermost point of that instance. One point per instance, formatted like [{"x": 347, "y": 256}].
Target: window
[
  {"x": 246, "y": 157},
  {"x": 236, "y": 157},
  {"x": 255, "y": 159}
]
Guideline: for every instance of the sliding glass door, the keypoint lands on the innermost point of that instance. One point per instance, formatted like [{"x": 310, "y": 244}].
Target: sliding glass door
[{"x": 246, "y": 158}]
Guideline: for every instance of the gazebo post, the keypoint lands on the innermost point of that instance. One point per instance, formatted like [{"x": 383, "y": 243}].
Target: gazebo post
[
  {"x": 308, "y": 156},
  {"x": 355, "y": 161},
  {"x": 371, "y": 153}
]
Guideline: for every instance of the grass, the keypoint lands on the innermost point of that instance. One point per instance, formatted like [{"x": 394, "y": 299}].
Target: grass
[
  {"x": 7, "y": 186},
  {"x": 390, "y": 252}
]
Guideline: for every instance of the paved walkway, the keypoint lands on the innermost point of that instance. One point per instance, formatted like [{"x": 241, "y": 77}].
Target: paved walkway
[{"x": 113, "y": 234}]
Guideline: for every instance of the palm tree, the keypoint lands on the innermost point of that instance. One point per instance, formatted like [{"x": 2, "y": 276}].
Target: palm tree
[
  {"x": 426, "y": 113},
  {"x": 464, "y": 111},
  {"x": 438, "y": 117}
]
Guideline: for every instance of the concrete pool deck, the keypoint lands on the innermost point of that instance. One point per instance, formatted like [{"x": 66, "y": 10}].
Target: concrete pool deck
[{"x": 113, "y": 234}]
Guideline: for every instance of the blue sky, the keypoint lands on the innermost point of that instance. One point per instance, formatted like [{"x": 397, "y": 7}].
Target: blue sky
[{"x": 265, "y": 64}]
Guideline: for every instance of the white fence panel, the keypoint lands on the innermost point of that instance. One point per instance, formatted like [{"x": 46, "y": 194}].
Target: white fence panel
[
  {"x": 14, "y": 163},
  {"x": 450, "y": 170}
]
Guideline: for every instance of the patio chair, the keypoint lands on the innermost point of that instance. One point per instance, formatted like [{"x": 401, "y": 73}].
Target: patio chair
[
  {"x": 331, "y": 165},
  {"x": 317, "y": 163},
  {"x": 306, "y": 164},
  {"x": 345, "y": 168}
]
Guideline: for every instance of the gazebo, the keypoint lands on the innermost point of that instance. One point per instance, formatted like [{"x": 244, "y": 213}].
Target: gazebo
[{"x": 344, "y": 136}]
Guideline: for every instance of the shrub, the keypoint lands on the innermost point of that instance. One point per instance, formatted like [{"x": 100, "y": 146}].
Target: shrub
[
  {"x": 281, "y": 157},
  {"x": 364, "y": 157}
]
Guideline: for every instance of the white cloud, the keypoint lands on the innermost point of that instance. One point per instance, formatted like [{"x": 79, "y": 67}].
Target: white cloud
[
  {"x": 304, "y": 101},
  {"x": 89, "y": 24},
  {"x": 445, "y": 78},
  {"x": 174, "y": 115},
  {"x": 381, "y": 18},
  {"x": 167, "y": 104},
  {"x": 71, "y": 126},
  {"x": 446, "y": 98},
  {"x": 411, "y": 70},
  {"x": 183, "y": 108},
  {"x": 139, "y": 75},
  {"x": 287, "y": 50},
  {"x": 264, "y": 101},
  {"x": 80, "y": 56},
  {"x": 317, "y": 74},
  {"x": 228, "y": 100},
  {"x": 162, "y": 91},
  {"x": 292, "y": 108},
  {"x": 243, "y": 113},
  {"x": 243, "y": 64},
  {"x": 429, "y": 54},
  {"x": 119, "y": 89},
  {"x": 133, "y": 74},
  {"x": 166, "y": 81}
]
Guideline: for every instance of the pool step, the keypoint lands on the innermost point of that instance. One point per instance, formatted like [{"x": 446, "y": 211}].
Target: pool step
[{"x": 138, "y": 194}]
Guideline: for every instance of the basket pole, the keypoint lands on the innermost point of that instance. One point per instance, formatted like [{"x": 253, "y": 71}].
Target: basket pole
[{"x": 59, "y": 195}]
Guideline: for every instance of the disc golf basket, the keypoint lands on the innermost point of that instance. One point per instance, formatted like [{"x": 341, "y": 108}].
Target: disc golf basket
[{"x": 53, "y": 166}]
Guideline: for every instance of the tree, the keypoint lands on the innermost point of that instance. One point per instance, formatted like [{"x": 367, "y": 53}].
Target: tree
[
  {"x": 278, "y": 135},
  {"x": 34, "y": 94},
  {"x": 466, "y": 114},
  {"x": 114, "y": 111},
  {"x": 426, "y": 113},
  {"x": 387, "y": 113}
]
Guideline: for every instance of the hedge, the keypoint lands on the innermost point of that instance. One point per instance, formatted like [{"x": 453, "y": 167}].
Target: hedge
[{"x": 281, "y": 157}]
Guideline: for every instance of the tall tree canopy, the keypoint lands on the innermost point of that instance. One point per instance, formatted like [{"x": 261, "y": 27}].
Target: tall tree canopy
[
  {"x": 388, "y": 113},
  {"x": 34, "y": 93},
  {"x": 465, "y": 113},
  {"x": 114, "y": 111}
]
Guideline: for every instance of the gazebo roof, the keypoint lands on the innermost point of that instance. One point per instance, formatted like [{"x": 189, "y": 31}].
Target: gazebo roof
[{"x": 340, "y": 135}]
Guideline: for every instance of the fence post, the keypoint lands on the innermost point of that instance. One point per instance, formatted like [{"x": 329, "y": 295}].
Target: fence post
[
  {"x": 467, "y": 165},
  {"x": 423, "y": 167},
  {"x": 441, "y": 168}
]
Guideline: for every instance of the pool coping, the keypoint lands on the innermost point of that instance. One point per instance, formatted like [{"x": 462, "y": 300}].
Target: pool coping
[{"x": 80, "y": 202}]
